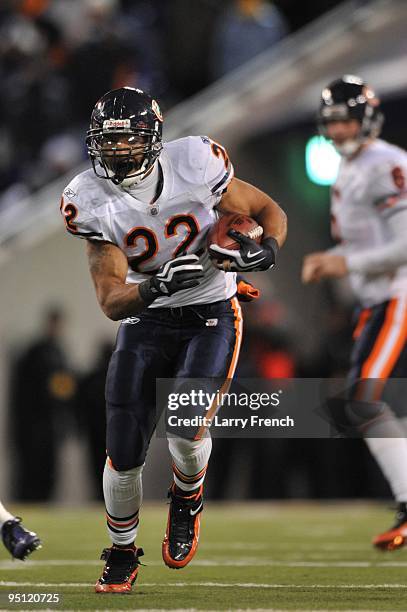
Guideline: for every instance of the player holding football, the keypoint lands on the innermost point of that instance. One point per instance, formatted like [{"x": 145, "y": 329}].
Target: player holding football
[
  {"x": 19, "y": 541},
  {"x": 145, "y": 209},
  {"x": 369, "y": 219}
]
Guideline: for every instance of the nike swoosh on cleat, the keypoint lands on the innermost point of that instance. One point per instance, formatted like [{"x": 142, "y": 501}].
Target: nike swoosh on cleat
[
  {"x": 250, "y": 255},
  {"x": 193, "y": 512}
]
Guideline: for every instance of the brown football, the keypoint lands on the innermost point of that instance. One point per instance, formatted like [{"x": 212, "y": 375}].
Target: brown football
[{"x": 218, "y": 233}]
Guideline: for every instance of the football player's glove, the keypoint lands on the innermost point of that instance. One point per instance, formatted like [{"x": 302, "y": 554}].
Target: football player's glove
[
  {"x": 251, "y": 257},
  {"x": 246, "y": 292},
  {"x": 177, "y": 274}
]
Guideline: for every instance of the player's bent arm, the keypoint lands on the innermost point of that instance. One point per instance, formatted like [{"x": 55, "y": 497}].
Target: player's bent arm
[
  {"x": 386, "y": 258},
  {"x": 246, "y": 199},
  {"x": 118, "y": 300},
  {"x": 108, "y": 267}
]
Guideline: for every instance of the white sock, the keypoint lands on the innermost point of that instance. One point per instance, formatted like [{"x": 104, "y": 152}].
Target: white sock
[
  {"x": 190, "y": 460},
  {"x": 390, "y": 453},
  {"x": 4, "y": 515},
  {"x": 123, "y": 492}
]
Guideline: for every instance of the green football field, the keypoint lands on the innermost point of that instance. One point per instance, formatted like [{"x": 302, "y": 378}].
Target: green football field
[{"x": 271, "y": 556}]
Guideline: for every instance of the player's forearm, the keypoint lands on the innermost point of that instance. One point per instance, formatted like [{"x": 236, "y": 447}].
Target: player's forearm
[
  {"x": 274, "y": 222},
  {"x": 120, "y": 301},
  {"x": 381, "y": 260},
  {"x": 108, "y": 266},
  {"x": 387, "y": 258},
  {"x": 246, "y": 199}
]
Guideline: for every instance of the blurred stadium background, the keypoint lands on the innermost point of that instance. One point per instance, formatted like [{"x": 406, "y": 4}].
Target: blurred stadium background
[{"x": 56, "y": 58}]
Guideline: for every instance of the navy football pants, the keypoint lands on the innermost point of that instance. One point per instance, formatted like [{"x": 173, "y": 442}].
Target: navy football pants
[
  {"x": 188, "y": 342},
  {"x": 380, "y": 354}
]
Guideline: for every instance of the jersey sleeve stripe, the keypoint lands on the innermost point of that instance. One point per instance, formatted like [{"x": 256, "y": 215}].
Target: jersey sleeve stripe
[
  {"x": 390, "y": 200},
  {"x": 228, "y": 173},
  {"x": 389, "y": 212},
  {"x": 85, "y": 234}
]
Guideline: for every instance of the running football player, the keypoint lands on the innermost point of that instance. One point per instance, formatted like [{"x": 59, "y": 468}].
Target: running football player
[
  {"x": 144, "y": 210},
  {"x": 369, "y": 219},
  {"x": 19, "y": 541}
]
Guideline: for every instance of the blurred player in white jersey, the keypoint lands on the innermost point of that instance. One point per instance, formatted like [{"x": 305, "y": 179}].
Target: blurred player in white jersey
[
  {"x": 144, "y": 210},
  {"x": 369, "y": 221},
  {"x": 19, "y": 541}
]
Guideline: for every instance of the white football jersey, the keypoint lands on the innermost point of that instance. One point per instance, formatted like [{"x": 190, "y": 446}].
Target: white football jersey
[
  {"x": 195, "y": 172},
  {"x": 369, "y": 191}
]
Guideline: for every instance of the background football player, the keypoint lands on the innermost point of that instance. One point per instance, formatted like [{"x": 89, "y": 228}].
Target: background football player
[
  {"x": 145, "y": 209},
  {"x": 19, "y": 541},
  {"x": 369, "y": 219}
]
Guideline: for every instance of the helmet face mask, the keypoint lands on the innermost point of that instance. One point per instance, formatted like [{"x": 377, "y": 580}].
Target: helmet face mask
[
  {"x": 350, "y": 98},
  {"x": 124, "y": 139}
]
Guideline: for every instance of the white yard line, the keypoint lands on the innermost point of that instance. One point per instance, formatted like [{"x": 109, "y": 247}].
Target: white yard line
[
  {"x": 205, "y": 610},
  {"x": 328, "y": 547},
  {"x": 243, "y": 562},
  {"x": 243, "y": 585},
  {"x": 233, "y": 546}
]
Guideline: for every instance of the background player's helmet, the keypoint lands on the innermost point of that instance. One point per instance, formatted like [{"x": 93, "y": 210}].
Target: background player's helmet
[
  {"x": 124, "y": 137},
  {"x": 351, "y": 98}
]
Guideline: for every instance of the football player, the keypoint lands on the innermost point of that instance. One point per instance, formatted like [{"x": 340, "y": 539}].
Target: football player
[
  {"x": 144, "y": 210},
  {"x": 19, "y": 541},
  {"x": 369, "y": 219}
]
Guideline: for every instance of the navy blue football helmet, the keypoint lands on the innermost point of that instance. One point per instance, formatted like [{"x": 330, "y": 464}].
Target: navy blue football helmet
[
  {"x": 349, "y": 97},
  {"x": 125, "y": 135}
]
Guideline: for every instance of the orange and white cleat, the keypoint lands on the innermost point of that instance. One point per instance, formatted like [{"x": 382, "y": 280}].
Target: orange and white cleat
[
  {"x": 182, "y": 535},
  {"x": 396, "y": 536},
  {"x": 120, "y": 571}
]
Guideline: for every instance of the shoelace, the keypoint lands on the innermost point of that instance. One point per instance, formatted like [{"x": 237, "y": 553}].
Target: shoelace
[
  {"x": 401, "y": 514},
  {"x": 183, "y": 521},
  {"x": 401, "y": 517},
  {"x": 119, "y": 566}
]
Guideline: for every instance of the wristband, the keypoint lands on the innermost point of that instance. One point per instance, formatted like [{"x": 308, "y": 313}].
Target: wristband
[
  {"x": 272, "y": 244},
  {"x": 147, "y": 292}
]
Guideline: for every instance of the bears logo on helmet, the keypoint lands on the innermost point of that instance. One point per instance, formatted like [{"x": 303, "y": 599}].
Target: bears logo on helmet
[{"x": 156, "y": 108}]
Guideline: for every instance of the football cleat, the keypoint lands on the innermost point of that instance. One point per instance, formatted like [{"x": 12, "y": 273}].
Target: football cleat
[
  {"x": 396, "y": 536},
  {"x": 19, "y": 541},
  {"x": 120, "y": 571},
  {"x": 182, "y": 535}
]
